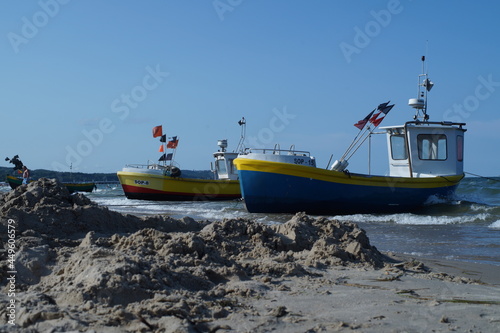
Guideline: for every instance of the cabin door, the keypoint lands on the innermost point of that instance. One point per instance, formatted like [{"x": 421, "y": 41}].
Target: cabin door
[{"x": 398, "y": 156}]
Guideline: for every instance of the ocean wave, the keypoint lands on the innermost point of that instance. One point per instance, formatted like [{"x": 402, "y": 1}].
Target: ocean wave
[
  {"x": 435, "y": 200},
  {"x": 413, "y": 219},
  {"x": 495, "y": 225},
  {"x": 478, "y": 190}
]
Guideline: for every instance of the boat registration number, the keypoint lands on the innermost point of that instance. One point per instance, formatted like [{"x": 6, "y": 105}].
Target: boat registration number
[
  {"x": 141, "y": 182},
  {"x": 302, "y": 161}
]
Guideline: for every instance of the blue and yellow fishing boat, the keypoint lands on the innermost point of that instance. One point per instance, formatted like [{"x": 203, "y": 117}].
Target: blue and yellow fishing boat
[{"x": 425, "y": 162}]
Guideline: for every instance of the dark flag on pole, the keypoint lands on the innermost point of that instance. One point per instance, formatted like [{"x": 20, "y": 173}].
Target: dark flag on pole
[
  {"x": 361, "y": 124},
  {"x": 383, "y": 105},
  {"x": 381, "y": 108},
  {"x": 376, "y": 120},
  {"x": 166, "y": 157},
  {"x": 163, "y": 138}
]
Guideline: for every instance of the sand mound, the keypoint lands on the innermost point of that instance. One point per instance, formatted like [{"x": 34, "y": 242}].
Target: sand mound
[
  {"x": 82, "y": 266},
  {"x": 45, "y": 209}
]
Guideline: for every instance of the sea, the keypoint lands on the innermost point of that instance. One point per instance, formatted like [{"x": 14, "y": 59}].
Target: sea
[{"x": 465, "y": 228}]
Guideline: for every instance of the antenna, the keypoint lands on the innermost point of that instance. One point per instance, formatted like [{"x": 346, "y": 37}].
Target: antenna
[{"x": 243, "y": 124}]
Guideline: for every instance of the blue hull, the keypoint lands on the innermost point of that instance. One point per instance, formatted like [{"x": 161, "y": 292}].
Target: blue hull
[{"x": 266, "y": 192}]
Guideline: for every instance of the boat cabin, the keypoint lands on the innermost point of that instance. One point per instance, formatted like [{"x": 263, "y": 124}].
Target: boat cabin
[
  {"x": 425, "y": 149},
  {"x": 224, "y": 167}
]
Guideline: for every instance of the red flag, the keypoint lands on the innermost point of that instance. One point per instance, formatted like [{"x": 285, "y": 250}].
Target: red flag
[
  {"x": 384, "y": 110},
  {"x": 172, "y": 143},
  {"x": 161, "y": 149},
  {"x": 361, "y": 124},
  {"x": 377, "y": 122},
  {"x": 157, "y": 131},
  {"x": 374, "y": 118}
]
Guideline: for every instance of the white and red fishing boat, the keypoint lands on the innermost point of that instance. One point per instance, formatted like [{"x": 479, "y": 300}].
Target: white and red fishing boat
[{"x": 163, "y": 180}]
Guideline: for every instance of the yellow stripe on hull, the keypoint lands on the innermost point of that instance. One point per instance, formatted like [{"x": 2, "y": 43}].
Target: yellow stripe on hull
[
  {"x": 138, "y": 185},
  {"x": 344, "y": 177}
]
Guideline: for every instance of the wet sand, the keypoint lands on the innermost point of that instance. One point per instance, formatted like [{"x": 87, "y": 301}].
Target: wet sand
[{"x": 83, "y": 268}]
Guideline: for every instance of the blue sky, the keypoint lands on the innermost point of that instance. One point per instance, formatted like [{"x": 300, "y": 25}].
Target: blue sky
[{"x": 84, "y": 82}]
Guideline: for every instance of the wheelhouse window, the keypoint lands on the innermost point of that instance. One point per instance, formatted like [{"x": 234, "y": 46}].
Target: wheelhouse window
[
  {"x": 460, "y": 148},
  {"x": 398, "y": 147},
  {"x": 432, "y": 147},
  {"x": 221, "y": 166}
]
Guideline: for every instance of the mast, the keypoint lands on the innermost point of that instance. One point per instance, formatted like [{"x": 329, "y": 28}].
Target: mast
[
  {"x": 424, "y": 85},
  {"x": 420, "y": 105},
  {"x": 243, "y": 124}
]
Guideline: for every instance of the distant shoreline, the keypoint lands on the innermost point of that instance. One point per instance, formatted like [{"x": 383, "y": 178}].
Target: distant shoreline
[{"x": 92, "y": 177}]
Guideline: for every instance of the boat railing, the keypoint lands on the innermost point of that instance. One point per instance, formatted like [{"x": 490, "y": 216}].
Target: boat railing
[
  {"x": 277, "y": 151},
  {"x": 442, "y": 123},
  {"x": 138, "y": 166},
  {"x": 149, "y": 166}
]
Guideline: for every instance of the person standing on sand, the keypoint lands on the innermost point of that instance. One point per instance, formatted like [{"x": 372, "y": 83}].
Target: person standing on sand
[{"x": 26, "y": 174}]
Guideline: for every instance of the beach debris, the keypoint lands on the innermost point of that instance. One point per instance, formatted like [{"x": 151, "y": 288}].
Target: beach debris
[{"x": 278, "y": 312}]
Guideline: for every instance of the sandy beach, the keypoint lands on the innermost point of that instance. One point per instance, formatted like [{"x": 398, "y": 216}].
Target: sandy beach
[{"x": 79, "y": 267}]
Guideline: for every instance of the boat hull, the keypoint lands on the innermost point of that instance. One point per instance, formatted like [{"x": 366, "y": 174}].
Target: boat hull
[
  {"x": 272, "y": 187},
  {"x": 147, "y": 186},
  {"x": 72, "y": 187}
]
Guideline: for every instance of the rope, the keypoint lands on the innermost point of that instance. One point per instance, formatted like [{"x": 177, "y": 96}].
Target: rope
[{"x": 489, "y": 178}]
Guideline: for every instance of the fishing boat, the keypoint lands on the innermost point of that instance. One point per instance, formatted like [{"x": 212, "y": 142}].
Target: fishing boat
[
  {"x": 164, "y": 181},
  {"x": 14, "y": 182},
  {"x": 425, "y": 163}
]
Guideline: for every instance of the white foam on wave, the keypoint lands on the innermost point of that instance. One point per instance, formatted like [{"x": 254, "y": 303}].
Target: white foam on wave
[
  {"x": 197, "y": 210},
  {"x": 495, "y": 225},
  {"x": 479, "y": 207},
  {"x": 110, "y": 201},
  {"x": 433, "y": 200},
  {"x": 413, "y": 219},
  {"x": 176, "y": 209}
]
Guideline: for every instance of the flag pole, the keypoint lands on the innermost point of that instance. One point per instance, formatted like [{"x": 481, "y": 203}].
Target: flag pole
[
  {"x": 369, "y": 153},
  {"x": 383, "y": 109},
  {"x": 173, "y": 156},
  {"x": 164, "y": 152},
  {"x": 349, "y": 157},
  {"x": 369, "y": 135},
  {"x": 364, "y": 133},
  {"x": 355, "y": 141}
]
